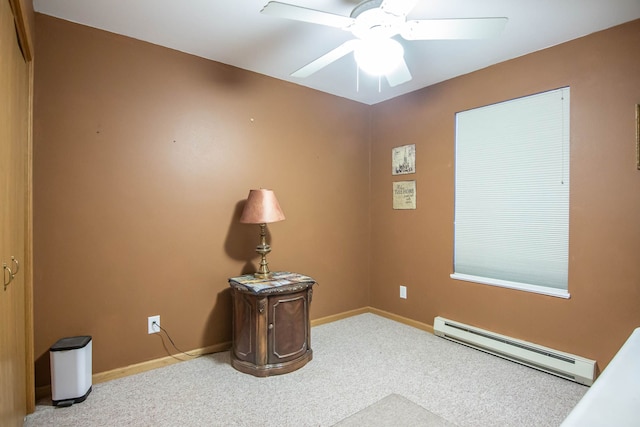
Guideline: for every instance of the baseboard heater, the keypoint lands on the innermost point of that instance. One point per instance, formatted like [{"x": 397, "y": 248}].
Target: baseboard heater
[{"x": 565, "y": 365}]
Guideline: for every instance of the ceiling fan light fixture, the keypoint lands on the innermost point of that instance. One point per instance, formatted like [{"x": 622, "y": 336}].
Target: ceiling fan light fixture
[{"x": 379, "y": 56}]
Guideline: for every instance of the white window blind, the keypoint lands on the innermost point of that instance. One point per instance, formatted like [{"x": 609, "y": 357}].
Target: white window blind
[{"x": 512, "y": 194}]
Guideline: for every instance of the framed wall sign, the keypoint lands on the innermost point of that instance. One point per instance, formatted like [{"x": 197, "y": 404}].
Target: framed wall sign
[
  {"x": 403, "y": 159},
  {"x": 404, "y": 195}
]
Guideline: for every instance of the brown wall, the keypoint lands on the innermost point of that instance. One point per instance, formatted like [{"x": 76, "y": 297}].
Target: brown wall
[
  {"x": 143, "y": 156},
  {"x": 415, "y": 248}
]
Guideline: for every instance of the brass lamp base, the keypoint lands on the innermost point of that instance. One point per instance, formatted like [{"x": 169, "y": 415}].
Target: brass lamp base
[{"x": 263, "y": 249}]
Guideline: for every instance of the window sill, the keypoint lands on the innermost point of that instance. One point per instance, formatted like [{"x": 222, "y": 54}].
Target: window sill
[{"x": 559, "y": 293}]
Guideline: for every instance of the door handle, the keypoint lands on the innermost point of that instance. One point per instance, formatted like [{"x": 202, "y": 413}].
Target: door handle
[{"x": 4, "y": 274}]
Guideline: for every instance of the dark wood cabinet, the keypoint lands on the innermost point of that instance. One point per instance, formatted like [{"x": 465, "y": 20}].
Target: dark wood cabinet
[{"x": 271, "y": 331}]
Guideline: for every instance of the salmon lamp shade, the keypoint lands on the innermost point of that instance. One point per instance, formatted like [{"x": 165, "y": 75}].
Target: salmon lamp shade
[{"x": 262, "y": 208}]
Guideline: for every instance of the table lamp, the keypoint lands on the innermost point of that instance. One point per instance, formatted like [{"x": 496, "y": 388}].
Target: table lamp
[{"x": 262, "y": 208}]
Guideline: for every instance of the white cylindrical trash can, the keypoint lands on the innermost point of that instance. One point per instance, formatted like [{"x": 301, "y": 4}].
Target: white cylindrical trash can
[{"x": 70, "y": 370}]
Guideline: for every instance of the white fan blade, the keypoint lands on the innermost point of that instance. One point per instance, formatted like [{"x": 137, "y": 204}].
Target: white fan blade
[
  {"x": 299, "y": 13},
  {"x": 326, "y": 59},
  {"x": 398, "y": 7},
  {"x": 399, "y": 75},
  {"x": 452, "y": 29}
]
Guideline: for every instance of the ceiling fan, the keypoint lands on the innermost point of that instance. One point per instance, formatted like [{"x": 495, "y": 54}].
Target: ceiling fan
[{"x": 374, "y": 23}]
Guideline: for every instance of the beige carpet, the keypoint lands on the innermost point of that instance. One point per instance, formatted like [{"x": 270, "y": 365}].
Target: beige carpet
[
  {"x": 357, "y": 363},
  {"x": 394, "y": 410}
]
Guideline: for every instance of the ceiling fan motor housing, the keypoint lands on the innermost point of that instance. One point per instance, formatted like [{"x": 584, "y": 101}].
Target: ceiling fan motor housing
[
  {"x": 372, "y": 22},
  {"x": 365, "y": 5}
]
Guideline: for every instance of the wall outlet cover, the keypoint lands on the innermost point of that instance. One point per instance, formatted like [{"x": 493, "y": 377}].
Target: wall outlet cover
[
  {"x": 403, "y": 292},
  {"x": 151, "y": 328}
]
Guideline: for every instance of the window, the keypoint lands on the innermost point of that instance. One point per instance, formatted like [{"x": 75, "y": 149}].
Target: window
[{"x": 512, "y": 194}]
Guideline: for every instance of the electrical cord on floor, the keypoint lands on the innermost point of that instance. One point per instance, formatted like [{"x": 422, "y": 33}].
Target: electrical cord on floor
[{"x": 172, "y": 343}]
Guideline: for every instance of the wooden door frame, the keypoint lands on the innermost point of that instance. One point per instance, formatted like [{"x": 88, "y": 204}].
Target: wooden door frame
[
  {"x": 28, "y": 252},
  {"x": 25, "y": 39}
]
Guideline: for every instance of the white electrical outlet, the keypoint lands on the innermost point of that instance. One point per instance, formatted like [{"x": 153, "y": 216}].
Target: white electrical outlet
[
  {"x": 153, "y": 324},
  {"x": 403, "y": 292}
]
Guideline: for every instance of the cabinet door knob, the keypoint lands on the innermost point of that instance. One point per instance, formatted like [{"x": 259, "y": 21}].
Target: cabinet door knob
[
  {"x": 15, "y": 261},
  {"x": 270, "y": 326}
]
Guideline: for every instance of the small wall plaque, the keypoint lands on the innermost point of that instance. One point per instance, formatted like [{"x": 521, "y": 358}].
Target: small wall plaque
[
  {"x": 404, "y": 195},
  {"x": 403, "y": 159}
]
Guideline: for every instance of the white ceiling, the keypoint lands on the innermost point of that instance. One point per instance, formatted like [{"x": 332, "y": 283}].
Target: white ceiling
[{"x": 234, "y": 32}]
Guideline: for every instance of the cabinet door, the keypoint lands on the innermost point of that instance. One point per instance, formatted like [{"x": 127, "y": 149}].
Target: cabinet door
[
  {"x": 244, "y": 326},
  {"x": 288, "y": 329},
  {"x": 14, "y": 95}
]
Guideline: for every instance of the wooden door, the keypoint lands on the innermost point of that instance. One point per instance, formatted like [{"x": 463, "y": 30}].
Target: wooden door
[
  {"x": 14, "y": 125},
  {"x": 288, "y": 327}
]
